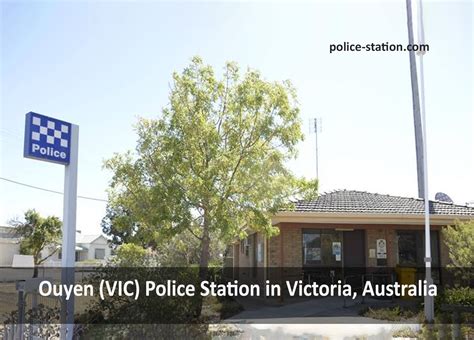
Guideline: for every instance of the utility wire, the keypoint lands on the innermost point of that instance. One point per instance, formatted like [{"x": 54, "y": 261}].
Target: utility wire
[{"x": 49, "y": 190}]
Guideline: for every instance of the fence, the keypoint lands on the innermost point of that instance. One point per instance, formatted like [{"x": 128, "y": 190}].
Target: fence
[{"x": 23, "y": 303}]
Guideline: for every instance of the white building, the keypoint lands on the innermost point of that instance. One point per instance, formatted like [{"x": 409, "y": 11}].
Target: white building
[
  {"x": 9, "y": 246},
  {"x": 90, "y": 249}
]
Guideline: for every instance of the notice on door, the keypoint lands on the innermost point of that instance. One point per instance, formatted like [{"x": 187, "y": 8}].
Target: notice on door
[
  {"x": 336, "y": 250},
  {"x": 381, "y": 249}
]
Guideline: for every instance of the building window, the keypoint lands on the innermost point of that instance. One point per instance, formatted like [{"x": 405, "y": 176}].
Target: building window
[
  {"x": 245, "y": 245},
  {"x": 99, "y": 254},
  {"x": 411, "y": 248},
  {"x": 318, "y": 247},
  {"x": 312, "y": 247},
  {"x": 77, "y": 255},
  {"x": 260, "y": 252},
  {"x": 407, "y": 248}
]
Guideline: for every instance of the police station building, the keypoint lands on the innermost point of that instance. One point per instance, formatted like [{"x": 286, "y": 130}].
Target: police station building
[{"x": 348, "y": 229}]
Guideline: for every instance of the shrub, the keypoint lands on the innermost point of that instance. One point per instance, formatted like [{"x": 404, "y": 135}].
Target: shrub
[
  {"x": 390, "y": 313},
  {"x": 460, "y": 241},
  {"x": 406, "y": 332},
  {"x": 463, "y": 296}
]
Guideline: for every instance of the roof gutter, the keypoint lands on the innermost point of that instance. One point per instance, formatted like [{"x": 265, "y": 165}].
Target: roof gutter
[{"x": 353, "y": 218}]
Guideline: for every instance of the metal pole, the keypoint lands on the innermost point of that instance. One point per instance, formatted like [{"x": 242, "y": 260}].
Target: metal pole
[
  {"x": 316, "y": 133},
  {"x": 342, "y": 263},
  {"x": 416, "y": 105},
  {"x": 21, "y": 310},
  {"x": 342, "y": 255},
  {"x": 429, "y": 303},
  {"x": 69, "y": 234}
]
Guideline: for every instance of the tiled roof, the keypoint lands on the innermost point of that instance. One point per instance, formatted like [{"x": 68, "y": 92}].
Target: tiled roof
[
  {"x": 351, "y": 201},
  {"x": 87, "y": 238}
]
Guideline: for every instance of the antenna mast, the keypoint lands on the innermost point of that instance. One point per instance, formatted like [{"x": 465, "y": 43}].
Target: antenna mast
[{"x": 316, "y": 128}]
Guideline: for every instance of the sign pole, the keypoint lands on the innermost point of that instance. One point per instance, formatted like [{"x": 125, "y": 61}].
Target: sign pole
[
  {"x": 52, "y": 140},
  {"x": 69, "y": 234}
]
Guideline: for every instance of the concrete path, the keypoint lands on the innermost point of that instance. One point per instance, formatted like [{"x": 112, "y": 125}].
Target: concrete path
[
  {"x": 318, "y": 331},
  {"x": 323, "y": 318}
]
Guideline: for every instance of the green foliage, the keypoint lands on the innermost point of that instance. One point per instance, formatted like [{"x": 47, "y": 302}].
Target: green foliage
[
  {"x": 405, "y": 332},
  {"x": 460, "y": 241},
  {"x": 213, "y": 163},
  {"x": 181, "y": 250},
  {"x": 395, "y": 313},
  {"x": 121, "y": 227},
  {"x": 463, "y": 296},
  {"x": 37, "y": 233},
  {"x": 131, "y": 255}
]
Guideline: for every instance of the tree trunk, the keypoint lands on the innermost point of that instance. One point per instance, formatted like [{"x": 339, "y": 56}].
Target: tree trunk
[
  {"x": 35, "y": 269},
  {"x": 203, "y": 262},
  {"x": 205, "y": 253}
]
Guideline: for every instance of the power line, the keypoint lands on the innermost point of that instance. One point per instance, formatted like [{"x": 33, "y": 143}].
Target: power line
[
  {"x": 49, "y": 190},
  {"x": 8, "y": 133}
]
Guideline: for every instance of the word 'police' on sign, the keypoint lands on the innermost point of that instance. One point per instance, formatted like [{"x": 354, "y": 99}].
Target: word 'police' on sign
[{"x": 47, "y": 138}]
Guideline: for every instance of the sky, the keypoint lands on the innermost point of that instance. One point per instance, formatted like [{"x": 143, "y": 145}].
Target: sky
[{"x": 103, "y": 64}]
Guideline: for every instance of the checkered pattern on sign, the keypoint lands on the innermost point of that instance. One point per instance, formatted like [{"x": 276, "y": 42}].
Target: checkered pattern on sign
[{"x": 51, "y": 132}]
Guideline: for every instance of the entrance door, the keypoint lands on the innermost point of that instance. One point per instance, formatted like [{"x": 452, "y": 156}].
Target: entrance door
[
  {"x": 354, "y": 257},
  {"x": 354, "y": 249}
]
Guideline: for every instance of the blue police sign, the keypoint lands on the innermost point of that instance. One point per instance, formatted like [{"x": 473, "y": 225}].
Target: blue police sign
[{"x": 47, "y": 138}]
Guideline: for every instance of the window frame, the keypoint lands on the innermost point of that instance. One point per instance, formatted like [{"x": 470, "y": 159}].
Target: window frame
[
  {"x": 326, "y": 237},
  {"x": 95, "y": 254},
  {"x": 419, "y": 248}
]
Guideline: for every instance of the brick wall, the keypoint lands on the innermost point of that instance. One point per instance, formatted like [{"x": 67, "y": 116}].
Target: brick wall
[
  {"x": 290, "y": 253},
  {"x": 389, "y": 235},
  {"x": 285, "y": 249},
  {"x": 292, "y": 247},
  {"x": 274, "y": 251},
  {"x": 246, "y": 258}
]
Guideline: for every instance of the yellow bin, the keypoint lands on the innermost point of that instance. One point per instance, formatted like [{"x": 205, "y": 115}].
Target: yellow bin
[{"x": 406, "y": 275}]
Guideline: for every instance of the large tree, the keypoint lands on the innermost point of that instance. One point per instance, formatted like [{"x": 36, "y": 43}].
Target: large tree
[
  {"x": 36, "y": 234},
  {"x": 214, "y": 162}
]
